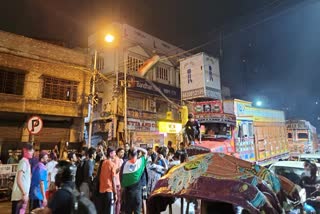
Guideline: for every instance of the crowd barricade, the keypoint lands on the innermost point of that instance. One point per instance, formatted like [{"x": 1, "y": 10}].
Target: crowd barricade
[{"x": 7, "y": 174}]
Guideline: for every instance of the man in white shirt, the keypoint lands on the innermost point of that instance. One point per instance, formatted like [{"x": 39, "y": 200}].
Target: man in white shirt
[
  {"x": 22, "y": 182},
  {"x": 52, "y": 171}
]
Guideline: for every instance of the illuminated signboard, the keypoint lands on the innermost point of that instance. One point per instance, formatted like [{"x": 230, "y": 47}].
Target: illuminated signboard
[{"x": 169, "y": 127}]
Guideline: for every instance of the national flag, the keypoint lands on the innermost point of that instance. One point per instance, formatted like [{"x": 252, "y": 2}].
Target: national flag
[{"x": 132, "y": 172}]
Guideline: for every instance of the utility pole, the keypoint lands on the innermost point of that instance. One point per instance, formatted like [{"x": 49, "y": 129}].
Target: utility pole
[
  {"x": 92, "y": 100},
  {"x": 125, "y": 105}
]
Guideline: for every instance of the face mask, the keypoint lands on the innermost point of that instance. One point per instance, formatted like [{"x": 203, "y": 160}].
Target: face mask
[{"x": 307, "y": 173}]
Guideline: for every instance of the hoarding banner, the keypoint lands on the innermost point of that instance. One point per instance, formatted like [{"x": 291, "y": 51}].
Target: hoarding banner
[
  {"x": 191, "y": 77},
  {"x": 200, "y": 77}
]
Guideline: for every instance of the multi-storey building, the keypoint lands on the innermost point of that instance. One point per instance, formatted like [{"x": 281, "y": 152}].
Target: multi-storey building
[
  {"x": 38, "y": 78},
  {"x": 145, "y": 106}
]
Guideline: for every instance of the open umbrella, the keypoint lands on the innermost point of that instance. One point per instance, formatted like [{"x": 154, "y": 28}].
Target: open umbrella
[{"x": 219, "y": 177}]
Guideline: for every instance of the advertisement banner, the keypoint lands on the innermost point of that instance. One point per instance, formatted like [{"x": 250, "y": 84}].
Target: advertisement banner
[
  {"x": 192, "y": 77},
  {"x": 200, "y": 77}
]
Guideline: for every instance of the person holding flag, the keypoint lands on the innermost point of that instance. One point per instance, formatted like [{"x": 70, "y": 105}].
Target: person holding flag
[{"x": 131, "y": 180}]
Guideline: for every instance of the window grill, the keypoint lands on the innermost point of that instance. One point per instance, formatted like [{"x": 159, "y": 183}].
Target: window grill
[
  {"x": 162, "y": 73},
  {"x": 59, "y": 89},
  {"x": 11, "y": 82},
  {"x": 133, "y": 64}
]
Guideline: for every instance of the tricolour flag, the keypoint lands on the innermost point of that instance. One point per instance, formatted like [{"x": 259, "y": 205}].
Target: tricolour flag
[
  {"x": 147, "y": 65},
  {"x": 132, "y": 172}
]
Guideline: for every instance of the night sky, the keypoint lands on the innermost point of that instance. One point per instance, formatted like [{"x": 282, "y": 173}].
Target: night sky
[{"x": 269, "y": 49}]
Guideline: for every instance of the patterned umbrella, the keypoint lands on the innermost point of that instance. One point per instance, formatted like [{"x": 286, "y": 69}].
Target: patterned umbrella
[{"x": 219, "y": 177}]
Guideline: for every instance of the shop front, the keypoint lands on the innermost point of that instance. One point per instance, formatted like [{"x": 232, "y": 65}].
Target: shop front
[
  {"x": 144, "y": 133},
  {"x": 171, "y": 132}
]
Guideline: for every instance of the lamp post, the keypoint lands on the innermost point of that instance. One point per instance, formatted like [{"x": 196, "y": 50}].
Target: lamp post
[
  {"x": 125, "y": 105},
  {"x": 109, "y": 39},
  {"x": 93, "y": 91}
]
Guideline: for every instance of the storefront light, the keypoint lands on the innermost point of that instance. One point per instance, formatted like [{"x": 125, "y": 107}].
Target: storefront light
[{"x": 169, "y": 127}]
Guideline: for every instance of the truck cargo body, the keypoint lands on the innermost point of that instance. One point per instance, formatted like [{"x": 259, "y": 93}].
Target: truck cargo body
[
  {"x": 260, "y": 134},
  {"x": 302, "y": 137}
]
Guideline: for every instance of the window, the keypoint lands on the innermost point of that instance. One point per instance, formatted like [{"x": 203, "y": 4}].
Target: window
[
  {"x": 162, "y": 73},
  {"x": 11, "y": 82},
  {"x": 302, "y": 136},
  {"x": 59, "y": 89},
  {"x": 289, "y": 135},
  {"x": 133, "y": 64},
  {"x": 136, "y": 103},
  {"x": 100, "y": 62},
  {"x": 245, "y": 130}
]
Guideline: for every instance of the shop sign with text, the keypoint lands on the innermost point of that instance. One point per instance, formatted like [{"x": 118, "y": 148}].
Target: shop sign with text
[
  {"x": 169, "y": 127},
  {"x": 141, "y": 125}
]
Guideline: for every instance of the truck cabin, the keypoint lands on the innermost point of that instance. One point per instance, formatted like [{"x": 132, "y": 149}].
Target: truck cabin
[{"x": 216, "y": 131}]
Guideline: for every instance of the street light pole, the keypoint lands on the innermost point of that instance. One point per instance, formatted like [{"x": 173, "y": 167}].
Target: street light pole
[
  {"x": 93, "y": 91},
  {"x": 125, "y": 105}
]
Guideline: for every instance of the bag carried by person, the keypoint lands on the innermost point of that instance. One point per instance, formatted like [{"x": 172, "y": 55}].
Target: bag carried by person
[{"x": 81, "y": 204}]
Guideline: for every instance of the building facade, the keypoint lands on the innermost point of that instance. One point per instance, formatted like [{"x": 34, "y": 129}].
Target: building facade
[
  {"x": 38, "y": 78},
  {"x": 145, "y": 106}
]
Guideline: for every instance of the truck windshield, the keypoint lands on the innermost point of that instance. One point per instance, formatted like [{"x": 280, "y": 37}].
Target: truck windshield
[{"x": 216, "y": 130}]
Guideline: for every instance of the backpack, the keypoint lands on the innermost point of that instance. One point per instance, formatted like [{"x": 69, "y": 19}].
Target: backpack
[
  {"x": 80, "y": 173},
  {"x": 81, "y": 204}
]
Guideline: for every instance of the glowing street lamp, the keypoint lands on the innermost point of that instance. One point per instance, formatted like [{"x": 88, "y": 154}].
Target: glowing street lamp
[
  {"x": 109, "y": 38},
  {"x": 259, "y": 103}
]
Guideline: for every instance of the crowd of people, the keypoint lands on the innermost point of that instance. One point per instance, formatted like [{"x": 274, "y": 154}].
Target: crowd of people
[{"x": 115, "y": 180}]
